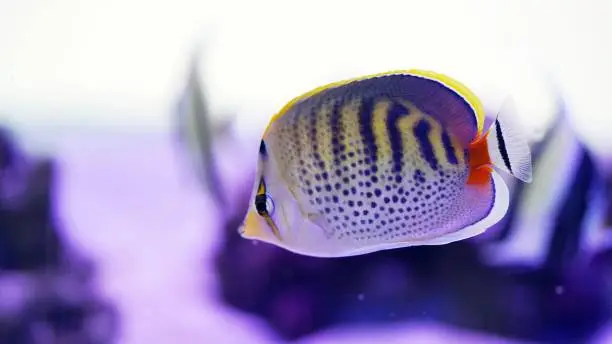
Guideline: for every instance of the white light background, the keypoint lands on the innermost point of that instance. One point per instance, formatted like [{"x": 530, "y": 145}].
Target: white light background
[{"x": 121, "y": 63}]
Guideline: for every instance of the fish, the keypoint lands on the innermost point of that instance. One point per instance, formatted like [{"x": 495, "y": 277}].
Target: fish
[
  {"x": 196, "y": 133},
  {"x": 559, "y": 218},
  {"x": 383, "y": 161}
]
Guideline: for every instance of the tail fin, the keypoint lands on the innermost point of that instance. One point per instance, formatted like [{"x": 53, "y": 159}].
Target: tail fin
[{"x": 508, "y": 147}]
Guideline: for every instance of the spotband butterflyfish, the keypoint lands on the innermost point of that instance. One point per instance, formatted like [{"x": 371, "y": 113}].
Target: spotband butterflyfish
[{"x": 384, "y": 161}]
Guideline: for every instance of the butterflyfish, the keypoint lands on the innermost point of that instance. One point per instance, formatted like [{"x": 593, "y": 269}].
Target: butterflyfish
[{"x": 383, "y": 161}]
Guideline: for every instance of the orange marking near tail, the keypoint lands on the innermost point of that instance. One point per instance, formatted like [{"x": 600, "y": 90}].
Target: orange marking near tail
[{"x": 479, "y": 161}]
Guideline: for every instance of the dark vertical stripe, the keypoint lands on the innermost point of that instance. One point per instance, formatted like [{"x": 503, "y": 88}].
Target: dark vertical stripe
[
  {"x": 337, "y": 135},
  {"x": 502, "y": 146},
  {"x": 396, "y": 111},
  {"x": 568, "y": 226},
  {"x": 448, "y": 148},
  {"x": 314, "y": 117},
  {"x": 295, "y": 130},
  {"x": 421, "y": 132},
  {"x": 366, "y": 112}
]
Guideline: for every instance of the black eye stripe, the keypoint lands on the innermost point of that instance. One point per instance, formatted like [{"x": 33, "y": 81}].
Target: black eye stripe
[
  {"x": 262, "y": 149},
  {"x": 261, "y": 198},
  {"x": 260, "y": 204}
]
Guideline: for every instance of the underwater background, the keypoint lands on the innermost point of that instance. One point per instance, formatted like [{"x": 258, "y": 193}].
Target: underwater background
[{"x": 128, "y": 141}]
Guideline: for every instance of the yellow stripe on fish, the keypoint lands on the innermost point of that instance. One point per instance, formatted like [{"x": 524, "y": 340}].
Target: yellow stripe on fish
[
  {"x": 381, "y": 128},
  {"x": 324, "y": 135}
]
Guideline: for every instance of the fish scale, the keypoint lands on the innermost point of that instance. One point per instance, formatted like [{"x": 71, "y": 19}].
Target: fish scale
[{"x": 381, "y": 183}]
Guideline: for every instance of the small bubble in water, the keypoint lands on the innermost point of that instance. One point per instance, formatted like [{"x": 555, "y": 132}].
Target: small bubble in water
[
  {"x": 559, "y": 290},
  {"x": 255, "y": 242},
  {"x": 360, "y": 297}
]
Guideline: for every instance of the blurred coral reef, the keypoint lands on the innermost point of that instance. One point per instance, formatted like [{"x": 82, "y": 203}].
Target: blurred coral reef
[{"x": 46, "y": 290}]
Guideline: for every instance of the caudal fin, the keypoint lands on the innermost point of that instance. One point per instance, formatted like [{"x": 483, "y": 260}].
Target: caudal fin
[{"x": 507, "y": 142}]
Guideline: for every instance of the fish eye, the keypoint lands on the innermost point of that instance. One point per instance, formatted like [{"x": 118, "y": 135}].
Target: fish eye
[
  {"x": 264, "y": 205},
  {"x": 269, "y": 205}
]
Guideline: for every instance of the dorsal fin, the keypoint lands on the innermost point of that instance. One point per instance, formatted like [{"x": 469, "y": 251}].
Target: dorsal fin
[{"x": 435, "y": 94}]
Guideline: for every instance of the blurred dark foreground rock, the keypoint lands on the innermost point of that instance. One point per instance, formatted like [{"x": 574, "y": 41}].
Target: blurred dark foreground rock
[
  {"x": 47, "y": 289},
  {"x": 299, "y": 295}
]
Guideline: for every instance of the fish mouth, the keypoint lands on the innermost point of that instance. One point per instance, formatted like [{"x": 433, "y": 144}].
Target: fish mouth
[
  {"x": 250, "y": 228},
  {"x": 246, "y": 232},
  {"x": 241, "y": 229}
]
